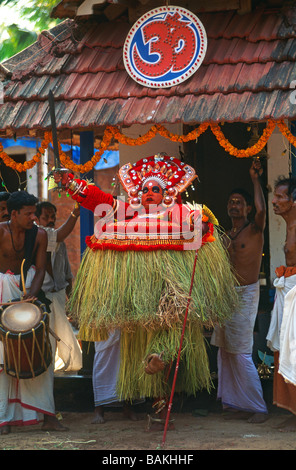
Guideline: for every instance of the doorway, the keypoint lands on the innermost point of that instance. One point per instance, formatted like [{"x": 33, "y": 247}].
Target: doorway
[
  {"x": 219, "y": 173},
  {"x": 11, "y": 180}
]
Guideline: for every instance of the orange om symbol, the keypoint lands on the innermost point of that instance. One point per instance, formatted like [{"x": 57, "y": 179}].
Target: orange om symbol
[{"x": 172, "y": 40}]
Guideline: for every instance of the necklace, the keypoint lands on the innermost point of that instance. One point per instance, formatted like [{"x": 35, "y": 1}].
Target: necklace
[
  {"x": 239, "y": 231},
  {"x": 17, "y": 251}
]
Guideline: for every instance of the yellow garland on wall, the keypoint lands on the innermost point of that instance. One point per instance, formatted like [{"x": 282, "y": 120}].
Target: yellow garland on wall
[{"x": 112, "y": 132}]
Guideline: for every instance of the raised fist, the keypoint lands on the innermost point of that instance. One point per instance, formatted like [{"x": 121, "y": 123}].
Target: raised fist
[{"x": 62, "y": 176}]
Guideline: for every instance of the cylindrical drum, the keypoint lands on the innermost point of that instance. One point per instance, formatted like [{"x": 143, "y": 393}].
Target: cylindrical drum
[{"x": 24, "y": 331}]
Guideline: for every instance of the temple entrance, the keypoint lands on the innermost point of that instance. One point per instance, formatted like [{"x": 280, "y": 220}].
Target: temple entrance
[{"x": 219, "y": 173}]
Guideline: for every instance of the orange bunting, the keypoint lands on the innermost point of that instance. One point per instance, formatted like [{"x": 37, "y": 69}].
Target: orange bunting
[
  {"x": 249, "y": 152},
  {"x": 112, "y": 132}
]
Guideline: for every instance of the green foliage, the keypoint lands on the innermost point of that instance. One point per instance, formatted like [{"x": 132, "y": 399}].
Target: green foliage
[
  {"x": 39, "y": 13},
  {"x": 15, "y": 37},
  {"x": 18, "y": 40}
]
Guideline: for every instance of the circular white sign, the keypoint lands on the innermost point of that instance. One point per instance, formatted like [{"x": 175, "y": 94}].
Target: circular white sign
[{"x": 164, "y": 47}]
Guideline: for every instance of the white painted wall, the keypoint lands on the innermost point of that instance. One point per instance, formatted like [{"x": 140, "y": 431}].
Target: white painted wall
[
  {"x": 32, "y": 183},
  {"x": 278, "y": 164},
  {"x": 44, "y": 181}
]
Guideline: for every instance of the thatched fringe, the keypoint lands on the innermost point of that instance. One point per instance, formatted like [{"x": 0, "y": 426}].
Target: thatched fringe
[
  {"x": 150, "y": 289},
  {"x": 145, "y": 294},
  {"x": 193, "y": 374}
]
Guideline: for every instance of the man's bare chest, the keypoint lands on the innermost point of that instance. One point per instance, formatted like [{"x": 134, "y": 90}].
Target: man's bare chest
[
  {"x": 246, "y": 244},
  {"x": 290, "y": 243},
  {"x": 12, "y": 253}
]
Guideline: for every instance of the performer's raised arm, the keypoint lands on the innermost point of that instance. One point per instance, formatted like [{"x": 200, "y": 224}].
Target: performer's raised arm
[{"x": 86, "y": 194}]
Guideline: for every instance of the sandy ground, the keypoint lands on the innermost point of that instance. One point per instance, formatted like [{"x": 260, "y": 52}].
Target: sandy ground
[
  {"x": 196, "y": 433},
  {"x": 199, "y": 425}
]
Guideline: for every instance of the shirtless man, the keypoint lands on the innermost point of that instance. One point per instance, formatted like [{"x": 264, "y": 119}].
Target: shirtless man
[
  {"x": 284, "y": 205},
  {"x": 284, "y": 393},
  {"x": 239, "y": 386},
  {"x": 246, "y": 238},
  {"x": 4, "y": 195},
  {"x": 15, "y": 404},
  {"x": 12, "y": 243}
]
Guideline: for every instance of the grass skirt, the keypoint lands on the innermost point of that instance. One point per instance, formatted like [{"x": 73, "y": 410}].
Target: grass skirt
[{"x": 145, "y": 295}]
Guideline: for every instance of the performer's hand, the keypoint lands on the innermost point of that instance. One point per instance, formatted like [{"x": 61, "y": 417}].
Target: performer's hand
[{"x": 63, "y": 177}]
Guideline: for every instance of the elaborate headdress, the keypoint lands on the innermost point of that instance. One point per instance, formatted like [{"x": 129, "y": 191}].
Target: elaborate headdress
[{"x": 172, "y": 175}]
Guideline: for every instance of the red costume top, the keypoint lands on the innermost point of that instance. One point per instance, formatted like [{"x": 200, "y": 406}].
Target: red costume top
[{"x": 128, "y": 226}]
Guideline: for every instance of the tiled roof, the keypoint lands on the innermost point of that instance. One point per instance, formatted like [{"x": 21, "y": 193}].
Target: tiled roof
[{"x": 246, "y": 76}]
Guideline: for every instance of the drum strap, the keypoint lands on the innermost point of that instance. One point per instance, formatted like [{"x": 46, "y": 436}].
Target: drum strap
[{"x": 30, "y": 238}]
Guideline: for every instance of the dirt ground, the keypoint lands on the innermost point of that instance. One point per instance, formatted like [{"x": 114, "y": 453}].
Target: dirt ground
[{"x": 192, "y": 432}]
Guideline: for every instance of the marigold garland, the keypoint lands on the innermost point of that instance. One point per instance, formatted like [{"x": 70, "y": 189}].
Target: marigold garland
[
  {"x": 249, "y": 152},
  {"x": 112, "y": 132},
  {"x": 20, "y": 167},
  {"x": 286, "y": 132}
]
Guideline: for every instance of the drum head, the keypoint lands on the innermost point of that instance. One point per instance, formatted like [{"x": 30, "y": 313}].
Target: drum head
[{"x": 21, "y": 317}]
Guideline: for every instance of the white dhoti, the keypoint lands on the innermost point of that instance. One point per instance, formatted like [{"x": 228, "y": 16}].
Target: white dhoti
[
  {"x": 105, "y": 369},
  {"x": 281, "y": 335},
  {"x": 23, "y": 402},
  {"x": 68, "y": 352},
  {"x": 239, "y": 385}
]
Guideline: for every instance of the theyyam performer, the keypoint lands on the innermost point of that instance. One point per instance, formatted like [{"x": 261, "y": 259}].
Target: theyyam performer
[{"x": 134, "y": 279}]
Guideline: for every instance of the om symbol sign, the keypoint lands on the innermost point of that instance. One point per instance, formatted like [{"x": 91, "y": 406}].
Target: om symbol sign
[{"x": 165, "y": 47}]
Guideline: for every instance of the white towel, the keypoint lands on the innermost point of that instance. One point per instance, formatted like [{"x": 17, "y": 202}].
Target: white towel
[
  {"x": 283, "y": 285},
  {"x": 287, "y": 355}
]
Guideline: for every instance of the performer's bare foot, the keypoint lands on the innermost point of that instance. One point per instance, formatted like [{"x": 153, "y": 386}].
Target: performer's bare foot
[
  {"x": 288, "y": 426},
  {"x": 51, "y": 423},
  {"x": 157, "y": 423},
  {"x": 129, "y": 413},
  {"x": 99, "y": 415},
  {"x": 154, "y": 426},
  {"x": 5, "y": 430}
]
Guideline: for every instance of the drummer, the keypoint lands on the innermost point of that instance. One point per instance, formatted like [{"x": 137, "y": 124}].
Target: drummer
[{"x": 26, "y": 401}]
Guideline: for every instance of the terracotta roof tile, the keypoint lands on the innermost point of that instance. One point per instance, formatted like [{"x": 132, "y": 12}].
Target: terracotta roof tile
[{"x": 246, "y": 75}]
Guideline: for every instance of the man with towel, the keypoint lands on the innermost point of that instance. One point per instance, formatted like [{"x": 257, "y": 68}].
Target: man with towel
[
  {"x": 239, "y": 386},
  {"x": 281, "y": 337}
]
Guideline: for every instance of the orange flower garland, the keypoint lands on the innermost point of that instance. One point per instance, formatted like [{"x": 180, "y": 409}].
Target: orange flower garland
[
  {"x": 157, "y": 129},
  {"x": 286, "y": 132},
  {"x": 249, "y": 152},
  {"x": 20, "y": 167},
  {"x": 112, "y": 132}
]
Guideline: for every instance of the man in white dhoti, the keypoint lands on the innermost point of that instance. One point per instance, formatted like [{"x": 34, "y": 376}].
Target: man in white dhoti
[
  {"x": 57, "y": 284},
  {"x": 105, "y": 371},
  {"x": 239, "y": 386},
  {"x": 24, "y": 401},
  {"x": 281, "y": 336}
]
